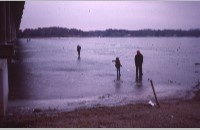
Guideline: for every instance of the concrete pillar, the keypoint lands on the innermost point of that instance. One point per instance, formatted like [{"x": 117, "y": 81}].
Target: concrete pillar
[
  {"x": 8, "y": 22},
  {"x": 4, "y": 90},
  {"x": 2, "y": 22},
  {"x": 14, "y": 33},
  {"x": 12, "y": 26}
]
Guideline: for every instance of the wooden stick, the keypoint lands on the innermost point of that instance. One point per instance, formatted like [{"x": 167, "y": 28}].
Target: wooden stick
[{"x": 154, "y": 93}]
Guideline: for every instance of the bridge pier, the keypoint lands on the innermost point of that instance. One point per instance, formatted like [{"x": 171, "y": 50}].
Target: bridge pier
[
  {"x": 4, "y": 88},
  {"x": 3, "y": 62},
  {"x": 3, "y": 23},
  {"x": 10, "y": 18}
]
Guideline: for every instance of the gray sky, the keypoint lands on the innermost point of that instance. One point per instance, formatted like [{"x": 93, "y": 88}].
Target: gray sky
[{"x": 101, "y": 15}]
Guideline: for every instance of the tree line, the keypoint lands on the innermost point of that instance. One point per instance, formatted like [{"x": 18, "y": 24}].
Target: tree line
[{"x": 65, "y": 32}]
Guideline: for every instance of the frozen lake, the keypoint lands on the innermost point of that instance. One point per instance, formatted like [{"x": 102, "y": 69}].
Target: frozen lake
[{"x": 48, "y": 74}]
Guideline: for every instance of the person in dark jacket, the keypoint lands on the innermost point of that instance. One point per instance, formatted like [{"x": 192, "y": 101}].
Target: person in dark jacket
[
  {"x": 78, "y": 50},
  {"x": 117, "y": 65},
  {"x": 138, "y": 63}
]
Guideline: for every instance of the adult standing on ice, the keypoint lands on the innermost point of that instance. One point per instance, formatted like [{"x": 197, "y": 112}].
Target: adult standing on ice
[
  {"x": 79, "y": 50},
  {"x": 138, "y": 63}
]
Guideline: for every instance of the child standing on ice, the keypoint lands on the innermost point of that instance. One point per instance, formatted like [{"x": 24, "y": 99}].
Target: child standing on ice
[{"x": 117, "y": 65}]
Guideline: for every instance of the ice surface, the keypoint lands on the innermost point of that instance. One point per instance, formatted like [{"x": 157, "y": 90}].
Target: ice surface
[{"x": 50, "y": 75}]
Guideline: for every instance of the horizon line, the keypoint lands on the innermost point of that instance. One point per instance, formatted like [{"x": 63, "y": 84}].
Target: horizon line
[{"x": 111, "y": 29}]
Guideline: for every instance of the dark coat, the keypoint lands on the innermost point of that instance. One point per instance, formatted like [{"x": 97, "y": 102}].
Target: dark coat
[
  {"x": 78, "y": 48},
  {"x": 138, "y": 59},
  {"x": 117, "y": 63}
]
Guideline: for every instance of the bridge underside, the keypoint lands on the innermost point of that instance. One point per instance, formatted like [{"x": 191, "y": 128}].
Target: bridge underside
[{"x": 10, "y": 19}]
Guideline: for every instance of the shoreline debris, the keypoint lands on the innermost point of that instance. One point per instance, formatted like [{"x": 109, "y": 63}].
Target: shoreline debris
[
  {"x": 151, "y": 103},
  {"x": 154, "y": 93}
]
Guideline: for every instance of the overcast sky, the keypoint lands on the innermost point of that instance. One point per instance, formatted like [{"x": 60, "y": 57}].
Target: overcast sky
[{"x": 101, "y": 15}]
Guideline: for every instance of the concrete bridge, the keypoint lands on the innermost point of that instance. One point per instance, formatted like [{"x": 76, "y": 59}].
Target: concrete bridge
[{"x": 10, "y": 19}]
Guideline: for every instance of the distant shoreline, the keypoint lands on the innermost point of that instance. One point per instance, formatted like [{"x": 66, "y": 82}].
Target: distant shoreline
[
  {"x": 65, "y": 32},
  {"x": 99, "y": 37}
]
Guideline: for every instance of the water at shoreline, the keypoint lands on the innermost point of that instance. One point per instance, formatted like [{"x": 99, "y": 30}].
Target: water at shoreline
[{"x": 47, "y": 73}]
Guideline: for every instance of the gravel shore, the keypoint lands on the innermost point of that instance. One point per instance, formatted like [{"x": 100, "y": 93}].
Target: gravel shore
[{"x": 171, "y": 114}]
